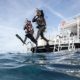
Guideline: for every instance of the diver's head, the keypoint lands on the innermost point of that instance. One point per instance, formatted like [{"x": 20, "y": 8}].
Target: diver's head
[
  {"x": 38, "y": 12},
  {"x": 26, "y": 22}
]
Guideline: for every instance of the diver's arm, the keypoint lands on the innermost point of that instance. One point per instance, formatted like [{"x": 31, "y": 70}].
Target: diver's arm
[
  {"x": 24, "y": 28},
  {"x": 45, "y": 22},
  {"x": 34, "y": 19}
]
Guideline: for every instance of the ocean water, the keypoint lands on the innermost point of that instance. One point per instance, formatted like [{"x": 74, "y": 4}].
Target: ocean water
[{"x": 40, "y": 66}]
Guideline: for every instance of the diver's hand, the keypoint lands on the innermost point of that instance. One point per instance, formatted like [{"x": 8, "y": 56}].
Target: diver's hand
[
  {"x": 25, "y": 31},
  {"x": 25, "y": 24},
  {"x": 36, "y": 14}
]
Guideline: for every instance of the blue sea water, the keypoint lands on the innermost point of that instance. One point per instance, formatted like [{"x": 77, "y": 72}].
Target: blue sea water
[{"x": 40, "y": 66}]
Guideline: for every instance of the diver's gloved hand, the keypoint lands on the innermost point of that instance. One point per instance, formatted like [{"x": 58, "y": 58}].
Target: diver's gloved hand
[
  {"x": 35, "y": 14},
  {"x": 37, "y": 27},
  {"x": 25, "y": 31}
]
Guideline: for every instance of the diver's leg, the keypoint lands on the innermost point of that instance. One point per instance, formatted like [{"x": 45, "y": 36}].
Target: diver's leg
[
  {"x": 33, "y": 39},
  {"x": 42, "y": 31},
  {"x": 25, "y": 38},
  {"x": 42, "y": 36},
  {"x": 30, "y": 36},
  {"x": 39, "y": 32}
]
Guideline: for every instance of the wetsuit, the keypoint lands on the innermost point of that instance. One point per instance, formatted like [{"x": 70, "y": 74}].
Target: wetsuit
[
  {"x": 29, "y": 33},
  {"x": 41, "y": 26}
]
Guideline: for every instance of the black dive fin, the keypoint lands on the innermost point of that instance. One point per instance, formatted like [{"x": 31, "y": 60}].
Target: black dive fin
[{"x": 20, "y": 38}]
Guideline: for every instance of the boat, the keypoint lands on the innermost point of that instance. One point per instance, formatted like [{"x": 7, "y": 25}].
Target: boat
[{"x": 68, "y": 37}]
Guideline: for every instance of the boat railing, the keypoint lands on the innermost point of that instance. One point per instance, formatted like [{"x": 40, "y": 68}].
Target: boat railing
[
  {"x": 71, "y": 19},
  {"x": 67, "y": 40},
  {"x": 61, "y": 30}
]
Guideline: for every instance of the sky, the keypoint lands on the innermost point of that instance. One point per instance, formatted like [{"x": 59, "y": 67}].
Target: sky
[{"x": 13, "y": 14}]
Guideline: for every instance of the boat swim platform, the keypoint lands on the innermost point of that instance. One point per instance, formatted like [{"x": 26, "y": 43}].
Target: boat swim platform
[{"x": 55, "y": 48}]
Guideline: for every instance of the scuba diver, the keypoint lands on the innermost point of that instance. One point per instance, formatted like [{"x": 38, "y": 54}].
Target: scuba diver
[
  {"x": 39, "y": 19},
  {"x": 29, "y": 32}
]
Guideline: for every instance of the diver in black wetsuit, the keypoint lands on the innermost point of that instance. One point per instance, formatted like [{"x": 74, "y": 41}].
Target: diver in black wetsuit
[
  {"x": 29, "y": 32},
  {"x": 39, "y": 18}
]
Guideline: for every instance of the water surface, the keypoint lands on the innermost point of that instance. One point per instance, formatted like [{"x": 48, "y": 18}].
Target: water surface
[{"x": 46, "y": 66}]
